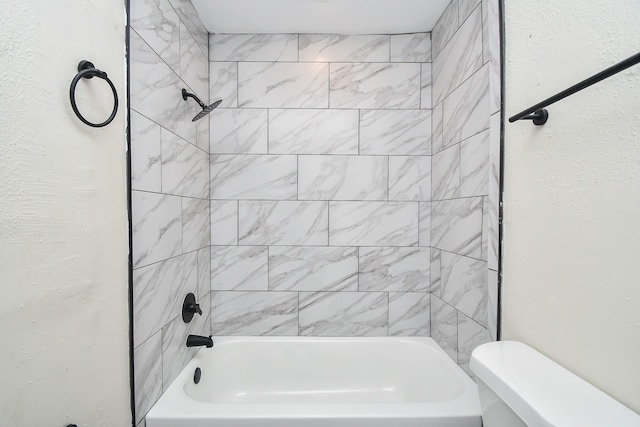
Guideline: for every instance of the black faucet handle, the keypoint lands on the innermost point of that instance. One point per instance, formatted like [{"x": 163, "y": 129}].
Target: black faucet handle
[
  {"x": 194, "y": 308},
  {"x": 190, "y": 307}
]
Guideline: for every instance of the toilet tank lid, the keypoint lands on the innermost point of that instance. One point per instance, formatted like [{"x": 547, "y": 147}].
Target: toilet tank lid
[{"x": 543, "y": 393}]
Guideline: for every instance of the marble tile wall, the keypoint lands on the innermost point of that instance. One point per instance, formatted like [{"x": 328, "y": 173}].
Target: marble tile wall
[
  {"x": 170, "y": 190},
  {"x": 465, "y": 177},
  {"x": 320, "y": 184},
  {"x": 355, "y": 182},
  {"x": 347, "y": 185}
]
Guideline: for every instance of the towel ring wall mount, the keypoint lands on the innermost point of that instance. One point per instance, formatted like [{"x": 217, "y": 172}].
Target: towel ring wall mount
[{"x": 86, "y": 70}]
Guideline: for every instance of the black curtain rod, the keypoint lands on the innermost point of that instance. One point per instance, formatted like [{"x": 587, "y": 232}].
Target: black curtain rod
[{"x": 539, "y": 115}]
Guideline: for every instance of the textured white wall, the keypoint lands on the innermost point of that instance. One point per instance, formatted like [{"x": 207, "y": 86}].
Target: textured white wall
[
  {"x": 571, "y": 284},
  {"x": 63, "y": 219}
]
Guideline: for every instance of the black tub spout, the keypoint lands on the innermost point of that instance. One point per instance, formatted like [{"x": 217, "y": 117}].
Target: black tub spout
[{"x": 198, "y": 341}]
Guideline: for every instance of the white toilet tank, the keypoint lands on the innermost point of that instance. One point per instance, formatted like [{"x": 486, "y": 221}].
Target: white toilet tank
[{"x": 520, "y": 387}]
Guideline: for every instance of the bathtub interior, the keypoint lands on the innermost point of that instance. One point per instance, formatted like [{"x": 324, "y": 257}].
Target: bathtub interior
[{"x": 317, "y": 370}]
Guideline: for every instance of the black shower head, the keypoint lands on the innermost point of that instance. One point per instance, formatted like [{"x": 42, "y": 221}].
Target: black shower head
[{"x": 206, "y": 109}]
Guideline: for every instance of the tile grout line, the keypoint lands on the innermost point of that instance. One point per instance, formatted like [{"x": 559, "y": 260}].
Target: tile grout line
[
  {"x": 450, "y": 92},
  {"x": 177, "y": 74},
  {"x": 458, "y": 27}
]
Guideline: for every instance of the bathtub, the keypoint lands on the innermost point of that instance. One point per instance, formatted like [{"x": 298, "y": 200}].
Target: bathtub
[{"x": 317, "y": 382}]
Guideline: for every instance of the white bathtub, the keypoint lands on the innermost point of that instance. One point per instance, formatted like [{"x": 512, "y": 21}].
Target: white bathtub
[{"x": 314, "y": 382}]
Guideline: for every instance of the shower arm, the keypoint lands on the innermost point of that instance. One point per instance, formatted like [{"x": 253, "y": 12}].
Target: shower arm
[{"x": 186, "y": 95}]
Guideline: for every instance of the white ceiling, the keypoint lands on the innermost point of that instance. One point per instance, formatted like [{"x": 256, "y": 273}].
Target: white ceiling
[{"x": 320, "y": 16}]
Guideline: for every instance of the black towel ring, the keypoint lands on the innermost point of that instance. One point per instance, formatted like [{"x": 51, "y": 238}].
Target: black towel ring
[{"x": 86, "y": 70}]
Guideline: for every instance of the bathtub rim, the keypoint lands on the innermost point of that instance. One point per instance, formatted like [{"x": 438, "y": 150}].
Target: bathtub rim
[{"x": 175, "y": 404}]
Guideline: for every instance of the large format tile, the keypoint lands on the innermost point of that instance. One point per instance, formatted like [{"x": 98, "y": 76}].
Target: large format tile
[
  {"x": 464, "y": 285},
  {"x": 373, "y": 223},
  {"x": 409, "y": 314},
  {"x": 195, "y": 224},
  {"x": 495, "y": 56},
  {"x": 445, "y": 28},
  {"x": 239, "y": 268},
  {"x": 494, "y": 192},
  {"x": 283, "y": 223},
  {"x": 465, "y": 7},
  {"x": 344, "y": 48},
  {"x": 223, "y": 83},
  {"x": 146, "y": 154},
  {"x": 158, "y": 24},
  {"x": 456, "y": 226},
  {"x": 344, "y": 313},
  {"x": 474, "y": 165},
  {"x": 283, "y": 85},
  {"x": 194, "y": 67},
  {"x": 224, "y": 222},
  {"x": 253, "y": 177},
  {"x": 395, "y": 132},
  {"x": 254, "y": 313},
  {"x": 424, "y": 237},
  {"x": 374, "y": 85},
  {"x": 342, "y": 177},
  {"x": 155, "y": 91},
  {"x": 300, "y": 268},
  {"x": 436, "y": 135},
  {"x": 253, "y": 47},
  {"x": 148, "y": 374},
  {"x": 414, "y": 47},
  {"x": 175, "y": 354},
  {"x": 204, "y": 272},
  {"x": 410, "y": 178},
  {"x": 313, "y": 131},
  {"x": 426, "y": 87},
  {"x": 466, "y": 110},
  {"x": 436, "y": 279},
  {"x": 485, "y": 30},
  {"x": 238, "y": 131},
  {"x": 190, "y": 18},
  {"x": 185, "y": 168},
  {"x": 485, "y": 228},
  {"x": 157, "y": 228},
  {"x": 446, "y": 173},
  {"x": 202, "y": 134},
  {"x": 444, "y": 326},
  {"x": 470, "y": 336},
  {"x": 394, "y": 269},
  {"x": 459, "y": 59},
  {"x": 158, "y": 293},
  {"x": 203, "y": 323}
]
